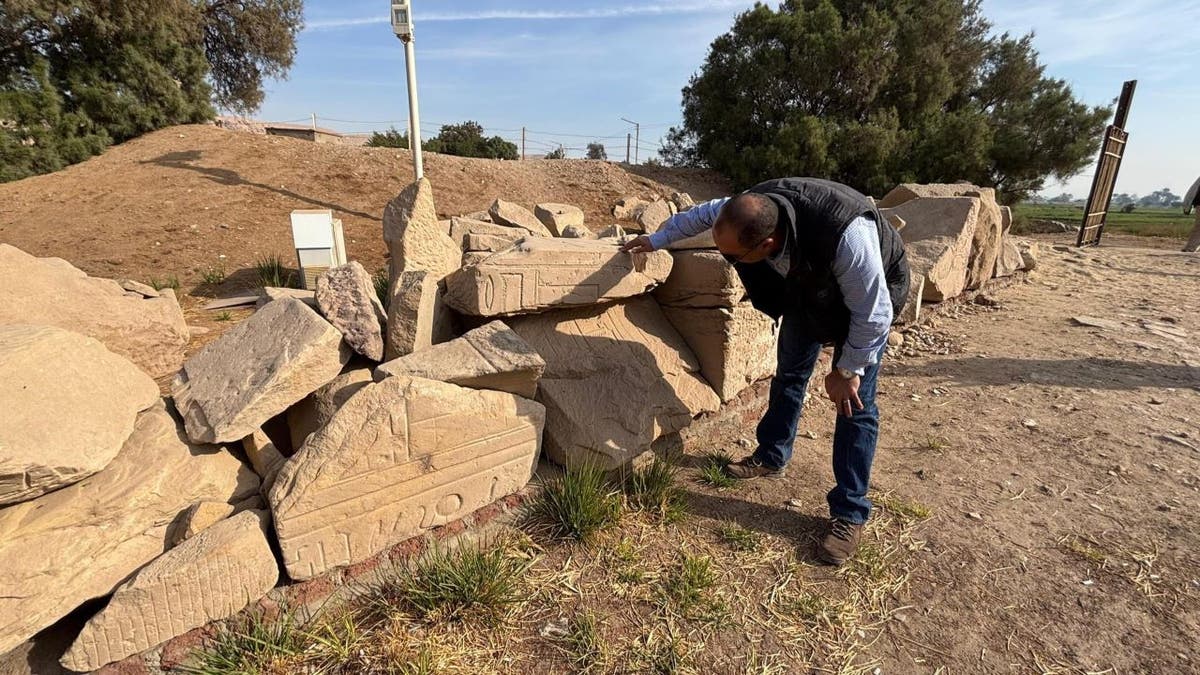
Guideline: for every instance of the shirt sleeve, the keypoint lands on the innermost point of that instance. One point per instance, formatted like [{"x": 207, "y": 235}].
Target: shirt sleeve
[
  {"x": 687, "y": 224},
  {"x": 860, "y": 275}
]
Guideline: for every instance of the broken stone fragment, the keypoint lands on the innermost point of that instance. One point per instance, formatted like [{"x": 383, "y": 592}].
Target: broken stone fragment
[
  {"x": 400, "y": 457},
  {"x": 418, "y": 317},
  {"x": 318, "y": 408},
  {"x": 270, "y": 293},
  {"x": 264, "y": 456},
  {"x": 208, "y": 577},
  {"x": 938, "y": 241},
  {"x": 197, "y": 518},
  {"x": 734, "y": 345},
  {"x": 700, "y": 278},
  {"x": 256, "y": 370},
  {"x": 651, "y": 217},
  {"x": 627, "y": 207},
  {"x": 514, "y": 215},
  {"x": 557, "y": 217},
  {"x": 461, "y": 228},
  {"x": 540, "y": 273},
  {"x": 489, "y": 357},
  {"x": 46, "y": 373},
  {"x": 988, "y": 231},
  {"x": 577, "y": 232},
  {"x": 347, "y": 298}
]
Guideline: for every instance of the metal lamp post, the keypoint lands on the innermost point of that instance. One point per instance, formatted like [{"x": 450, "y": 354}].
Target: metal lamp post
[{"x": 402, "y": 26}]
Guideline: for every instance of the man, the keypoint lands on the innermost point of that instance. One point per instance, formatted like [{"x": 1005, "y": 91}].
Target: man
[
  {"x": 1192, "y": 200},
  {"x": 819, "y": 256}
]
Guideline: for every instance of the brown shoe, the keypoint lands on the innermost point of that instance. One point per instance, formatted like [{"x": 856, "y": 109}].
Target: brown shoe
[
  {"x": 752, "y": 468},
  {"x": 840, "y": 542}
]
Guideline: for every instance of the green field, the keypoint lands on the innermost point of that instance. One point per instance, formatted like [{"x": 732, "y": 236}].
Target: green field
[{"x": 1145, "y": 222}]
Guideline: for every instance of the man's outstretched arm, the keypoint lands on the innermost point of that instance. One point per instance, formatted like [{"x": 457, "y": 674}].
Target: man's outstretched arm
[{"x": 679, "y": 226}]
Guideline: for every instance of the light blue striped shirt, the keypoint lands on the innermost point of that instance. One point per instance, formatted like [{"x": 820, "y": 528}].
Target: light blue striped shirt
[{"x": 858, "y": 267}]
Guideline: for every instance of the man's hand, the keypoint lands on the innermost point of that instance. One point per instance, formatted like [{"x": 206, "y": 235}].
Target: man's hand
[
  {"x": 640, "y": 244},
  {"x": 843, "y": 392}
]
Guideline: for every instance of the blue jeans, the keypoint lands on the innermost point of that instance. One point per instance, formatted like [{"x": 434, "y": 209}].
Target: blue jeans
[{"x": 854, "y": 437}]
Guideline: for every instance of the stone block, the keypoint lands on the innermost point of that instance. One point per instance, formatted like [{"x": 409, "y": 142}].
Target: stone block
[
  {"x": 617, "y": 378},
  {"x": 577, "y": 232},
  {"x": 414, "y": 238},
  {"x": 1005, "y": 219},
  {"x": 256, "y": 370},
  {"x": 700, "y": 278},
  {"x": 699, "y": 241},
  {"x": 515, "y": 215},
  {"x": 316, "y": 410},
  {"x": 1010, "y": 261},
  {"x": 652, "y": 216},
  {"x": 488, "y": 243},
  {"x": 270, "y": 293},
  {"x": 347, "y": 298},
  {"x": 735, "y": 345},
  {"x": 209, "y": 577},
  {"x": 418, "y": 316},
  {"x": 628, "y": 207},
  {"x": 542, "y": 273},
  {"x": 489, "y": 357},
  {"x": 461, "y": 227},
  {"x": 67, "y": 405},
  {"x": 911, "y": 313},
  {"x": 612, "y": 232},
  {"x": 1029, "y": 254},
  {"x": 938, "y": 240},
  {"x": 150, "y": 331},
  {"x": 80, "y": 542},
  {"x": 682, "y": 201},
  {"x": 400, "y": 457},
  {"x": 197, "y": 518},
  {"x": 557, "y": 217},
  {"x": 265, "y": 458}
]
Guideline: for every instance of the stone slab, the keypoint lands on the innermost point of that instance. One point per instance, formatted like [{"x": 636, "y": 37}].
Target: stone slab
[
  {"x": 1010, "y": 261},
  {"x": 488, "y": 243},
  {"x": 539, "y": 274},
  {"x": 617, "y": 378},
  {"x": 232, "y": 302},
  {"x": 209, "y": 577},
  {"x": 400, "y": 457},
  {"x": 347, "y": 298},
  {"x": 414, "y": 238},
  {"x": 90, "y": 536},
  {"x": 265, "y": 457},
  {"x": 735, "y": 345},
  {"x": 461, "y": 227},
  {"x": 256, "y": 370},
  {"x": 418, "y": 316},
  {"x": 628, "y": 207},
  {"x": 515, "y": 215},
  {"x": 557, "y": 217},
  {"x": 489, "y": 357},
  {"x": 318, "y": 408},
  {"x": 577, "y": 232},
  {"x": 197, "y": 518},
  {"x": 270, "y": 293},
  {"x": 67, "y": 405},
  {"x": 652, "y": 216},
  {"x": 151, "y": 332},
  {"x": 939, "y": 239},
  {"x": 700, "y": 278},
  {"x": 912, "y": 304}
]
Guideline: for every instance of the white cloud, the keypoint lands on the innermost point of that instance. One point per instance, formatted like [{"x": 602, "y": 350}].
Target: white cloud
[{"x": 653, "y": 9}]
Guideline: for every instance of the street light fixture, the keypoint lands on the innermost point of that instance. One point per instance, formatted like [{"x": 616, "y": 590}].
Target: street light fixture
[{"x": 402, "y": 26}]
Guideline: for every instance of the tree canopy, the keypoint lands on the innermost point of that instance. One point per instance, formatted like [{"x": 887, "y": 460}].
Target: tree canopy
[
  {"x": 878, "y": 92},
  {"x": 79, "y": 75},
  {"x": 466, "y": 139},
  {"x": 595, "y": 150}
]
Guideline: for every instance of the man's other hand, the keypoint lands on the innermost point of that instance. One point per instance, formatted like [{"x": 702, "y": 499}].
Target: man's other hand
[
  {"x": 639, "y": 244},
  {"x": 844, "y": 393}
]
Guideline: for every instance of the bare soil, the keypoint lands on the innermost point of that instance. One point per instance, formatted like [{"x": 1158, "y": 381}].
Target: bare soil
[{"x": 1037, "y": 478}]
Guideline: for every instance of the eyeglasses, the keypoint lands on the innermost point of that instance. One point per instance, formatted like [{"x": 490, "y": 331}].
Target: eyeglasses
[{"x": 734, "y": 259}]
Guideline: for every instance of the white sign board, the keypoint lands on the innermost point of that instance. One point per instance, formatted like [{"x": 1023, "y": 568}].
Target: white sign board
[{"x": 313, "y": 228}]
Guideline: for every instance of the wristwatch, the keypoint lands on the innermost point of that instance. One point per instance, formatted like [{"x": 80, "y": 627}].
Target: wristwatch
[{"x": 846, "y": 374}]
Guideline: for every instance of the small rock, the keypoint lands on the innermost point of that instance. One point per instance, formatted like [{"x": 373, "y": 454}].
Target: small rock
[
  {"x": 795, "y": 503},
  {"x": 809, "y": 435},
  {"x": 557, "y": 628},
  {"x": 974, "y": 516},
  {"x": 895, "y": 339},
  {"x": 1029, "y": 423},
  {"x": 746, "y": 443}
]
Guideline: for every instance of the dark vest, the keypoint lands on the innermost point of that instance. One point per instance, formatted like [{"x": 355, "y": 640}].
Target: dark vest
[{"x": 815, "y": 213}]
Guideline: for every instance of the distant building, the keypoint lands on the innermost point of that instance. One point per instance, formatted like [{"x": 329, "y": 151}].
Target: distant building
[{"x": 303, "y": 132}]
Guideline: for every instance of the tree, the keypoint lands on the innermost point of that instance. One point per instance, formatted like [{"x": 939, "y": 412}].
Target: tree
[
  {"x": 557, "y": 153},
  {"x": 79, "y": 75},
  {"x": 1063, "y": 198},
  {"x": 466, "y": 139},
  {"x": 1163, "y": 198},
  {"x": 388, "y": 139},
  {"x": 595, "y": 150},
  {"x": 877, "y": 92}
]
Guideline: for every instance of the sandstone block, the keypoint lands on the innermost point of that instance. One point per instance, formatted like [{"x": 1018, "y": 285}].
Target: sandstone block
[
  {"x": 612, "y": 232},
  {"x": 138, "y": 287},
  {"x": 617, "y": 378},
  {"x": 80, "y": 542},
  {"x": 700, "y": 278},
  {"x": 461, "y": 227},
  {"x": 682, "y": 201},
  {"x": 265, "y": 458},
  {"x": 488, "y": 243},
  {"x": 211, "y": 576},
  {"x": 197, "y": 518},
  {"x": 489, "y": 357},
  {"x": 557, "y": 217},
  {"x": 735, "y": 345},
  {"x": 151, "y": 332},
  {"x": 938, "y": 239},
  {"x": 912, "y": 305},
  {"x": 1010, "y": 261},
  {"x": 653, "y": 215},
  {"x": 318, "y": 408},
  {"x": 67, "y": 404},
  {"x": 627, "y": 207},
  {"x": 418, "y": 316},
  {"x": 1005, "y": 219},
  {"x": 403, "y": 455},
  {"x": 578, "y": 232},
  {"x": 514, "y": 215},
  {"x": 346, "y": 296},
  {"x": 482, "y": 216},
  {"x": 256, "y": 370},
  {"x": 415, "y": 240},
  {"x": 542, "y": 273},
  {"x": 1029, "y": 254},
  {"x": 896, "y": 221},
  {"x": 270, "y": 293},
  {"x": 702, "y": 240}
]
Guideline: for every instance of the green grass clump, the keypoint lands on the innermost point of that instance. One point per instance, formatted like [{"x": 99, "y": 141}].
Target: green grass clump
[
  {"x": 577, "y": 504},
  {"x": 466, "y": 584},
  {"x": 213, "y": 275},
  {"x": 272, "y": 272},
  {"x": 739, "y": 538},
  {"x": 712, "y": 472},
  {"x": 584, "y": 644},
  {"x": 652, "y": 488},
  {"x": 171, "y": 282},
  {"x": 252, "y": 645}
]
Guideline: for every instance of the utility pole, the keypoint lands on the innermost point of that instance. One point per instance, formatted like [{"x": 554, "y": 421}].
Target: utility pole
[
  {"x": 522, "y": 144},
  {"x": 314, "y": 121},
  {"x": 628, "y": 140},
  {"x": 637, "y": 138},
  {"x": 402, "y": 26}
]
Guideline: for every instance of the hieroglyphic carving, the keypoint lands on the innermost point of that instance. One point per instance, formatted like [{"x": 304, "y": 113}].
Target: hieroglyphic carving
[{"x": 401, "y": 456}]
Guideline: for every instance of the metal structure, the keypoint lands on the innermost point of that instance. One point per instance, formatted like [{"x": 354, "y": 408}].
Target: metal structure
[
  {"x": 402, "y": 26},
  {"x": 1112, "y": 150},
  {"x": 637, "y": 139}
]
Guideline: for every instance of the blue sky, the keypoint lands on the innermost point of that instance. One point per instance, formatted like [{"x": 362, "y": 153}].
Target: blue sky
[{"x": 568, "y": 71}]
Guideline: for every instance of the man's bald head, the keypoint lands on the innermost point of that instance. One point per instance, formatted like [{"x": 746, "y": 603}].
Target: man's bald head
[{"x": 752, "y": 216}]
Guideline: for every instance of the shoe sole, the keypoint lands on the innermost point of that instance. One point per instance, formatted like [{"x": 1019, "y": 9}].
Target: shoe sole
[{"x": 830, "y": 560}]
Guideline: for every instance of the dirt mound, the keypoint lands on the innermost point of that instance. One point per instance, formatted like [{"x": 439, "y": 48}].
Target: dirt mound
[{"x": 172, "y": 203}]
